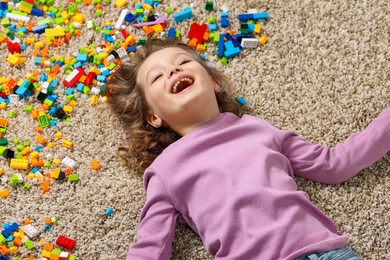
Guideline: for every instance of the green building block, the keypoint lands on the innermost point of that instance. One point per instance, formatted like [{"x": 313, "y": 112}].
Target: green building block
[
  {"x": 26, "y": 187},
  {"x": 43, "y": 121},
  {"x": 29, "y": 245}
]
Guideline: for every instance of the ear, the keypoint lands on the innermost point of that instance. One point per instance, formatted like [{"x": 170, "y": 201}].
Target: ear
[
  {"x": 217, "y": 88},
  {"x": 153, "y": 119}
]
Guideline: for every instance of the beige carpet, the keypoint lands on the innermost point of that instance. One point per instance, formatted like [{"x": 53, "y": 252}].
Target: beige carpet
[{"x": 324, "y": 73}]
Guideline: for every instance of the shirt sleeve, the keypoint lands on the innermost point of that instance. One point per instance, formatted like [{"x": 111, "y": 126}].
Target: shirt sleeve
[
  {"x": 342, "y": 162},
  {"x": 157, "y": 223}
]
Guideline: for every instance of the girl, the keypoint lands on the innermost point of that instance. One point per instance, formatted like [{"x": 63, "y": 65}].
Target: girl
[{"x": 229, "y": 177}]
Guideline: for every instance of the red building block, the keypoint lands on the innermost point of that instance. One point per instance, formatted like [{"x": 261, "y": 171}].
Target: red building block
[{"x": 65, "y": 242}]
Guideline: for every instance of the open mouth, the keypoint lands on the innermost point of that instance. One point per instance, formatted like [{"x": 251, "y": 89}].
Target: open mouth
[{"x": 181, "y": 84}]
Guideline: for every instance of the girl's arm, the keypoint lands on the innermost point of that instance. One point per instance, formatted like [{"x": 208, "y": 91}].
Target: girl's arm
[
  {"x": 157, "y": 225},
  {"x": 342, "y": 162}
]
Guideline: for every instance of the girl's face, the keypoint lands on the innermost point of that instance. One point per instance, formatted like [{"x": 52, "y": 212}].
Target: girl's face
[{"x": 179, "y": 91}]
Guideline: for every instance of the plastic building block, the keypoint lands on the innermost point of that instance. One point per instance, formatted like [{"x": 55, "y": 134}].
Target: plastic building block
[
  {"x": 4, "y": 193},
  {"x": 53, "y": 32},
  {"x": 263, "y": 40},
  {"x": 109, "y": 211},
  {"x": 65, "y": 242},
  {"x": 67, "y": 162},
  {"x": 241, "y": 101},
  {"x": 209, "y": 6},
  {"x": 67, "y": 144},
  {"x": 186, "y": 14},
  {"x": 224, "y": 22},
  {"x": 121, "y": 19},
  {"x": 255, "y": 16},
  {"x": 19, "y": 164},
  {"x": 231, "y": 51},
  {"x": 197, "y": 31},
  {"x": 73, "y": 78},
  {"x": 30, "y": 230},
  {"x": 249, "y": 43},
  {"x": 9, "y": 229},
  {"x": 43, "y": 121}
]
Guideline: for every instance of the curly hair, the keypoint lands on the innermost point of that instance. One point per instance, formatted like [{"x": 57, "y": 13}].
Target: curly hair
[{"x": 127, "y": 100}]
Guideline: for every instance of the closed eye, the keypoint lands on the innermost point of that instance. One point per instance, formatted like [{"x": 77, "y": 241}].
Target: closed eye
[
  {"x": 156, "y": 77},
  {"x": 184, "y": 62}
]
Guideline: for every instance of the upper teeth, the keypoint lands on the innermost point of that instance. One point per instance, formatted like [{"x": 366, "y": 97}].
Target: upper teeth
[{"x": 174, "y": 89}]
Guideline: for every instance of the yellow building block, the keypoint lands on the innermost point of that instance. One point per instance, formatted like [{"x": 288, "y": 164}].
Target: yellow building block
[
  {"x": 78, "y": 18},
  {"x": 58, "y": 135},
  {"x": 73, "y": 103},
  {"x": 26, "y": 150},
  {"x": 45, "y": 254},
  {"x": 67, "y": 144},
  {"x": 148, "y": 7},
  {"x": 68, "y": 109},
  {"x": 4, "y": 193},
  {"x": 56, "y": 161},
  {"x": 1, "y": 171},
  {"x": 54, "y": 32},
  {"x": 94, "y": 100},
  {"x": 55, "y": 173},
  {"x": 30, "y": 40},
  {"x": 19, "y": 164},
  {"x": 257, "y": 28},
  {"x": 263, "y": 40},
  {"x": 120, "y": 3},
  {"x": 34, "y": 155},
  {"x": 39, "y": 45},
  {"x": 14, "y": 60}
]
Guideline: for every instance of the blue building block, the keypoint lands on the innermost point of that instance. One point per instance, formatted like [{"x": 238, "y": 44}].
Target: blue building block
[
  {"x": 80, "y": 87},
  {"x": 12, "y": 27},
  {"x": 3, "y": 6},
  {"x": 37, "y": 61},
  {"x": 132, "y": 48},
  {"x": 52, "y": 111},
  {"x": 59, "y": 63},
  {"x": 53, "y": 122},
  {"x": 221, "y": 47},
  {"x": 43, "y": 76},
  {"x": 69, "y": 91},
  {"x": 235, "y": 43},
  {"x": 23, "y": 92},
  {"x": 171, "y": 33},
  {"x": 105, "y": 73},
  {"x": 241, "y": 101},
  {"x": 213, "y": 27},
  {"x": 54, "y": 83},
  {"x": 224, "y": 23},
  {"x": 40, "y": 28},
  {"x": 37, "y": 12},
  {"x": 53, "y": 97},
  {"x": 231, "y": 51},
  {"x": 255, "y": 16},
  {"x": 82, "y": 57},
  {"x": 8, "y": 229},
  {"x": 101, "y": 78},
  {"x": 186, "y": 14}
]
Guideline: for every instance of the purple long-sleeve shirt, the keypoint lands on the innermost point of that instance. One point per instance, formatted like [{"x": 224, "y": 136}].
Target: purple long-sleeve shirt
[{"x": 231, "y": 181}]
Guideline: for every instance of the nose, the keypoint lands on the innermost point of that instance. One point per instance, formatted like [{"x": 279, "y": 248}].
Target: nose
[{"x": 174, "y": 70}]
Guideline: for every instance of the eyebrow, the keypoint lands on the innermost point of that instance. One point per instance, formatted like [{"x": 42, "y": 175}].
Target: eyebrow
[{"x": 176, "y": 56}]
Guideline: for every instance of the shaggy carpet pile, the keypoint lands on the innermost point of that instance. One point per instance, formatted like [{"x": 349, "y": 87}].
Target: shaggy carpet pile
[{"x": 324, "y": 73}]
